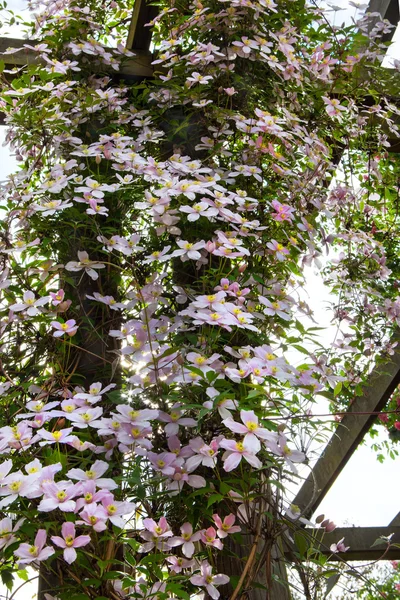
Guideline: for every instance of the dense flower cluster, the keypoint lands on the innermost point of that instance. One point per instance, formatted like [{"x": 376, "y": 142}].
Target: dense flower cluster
[{"x": 153, "y": 253}]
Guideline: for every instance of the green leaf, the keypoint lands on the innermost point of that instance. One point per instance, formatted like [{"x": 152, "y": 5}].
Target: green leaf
[
  {"x": 213, "y": 499},
  {"x": 338, "y": 389},
  {"x": 301, "y": 543},
  {"x": 330, "y": 584}
]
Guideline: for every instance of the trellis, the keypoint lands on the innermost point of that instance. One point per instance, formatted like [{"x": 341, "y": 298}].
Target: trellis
[{"x": 385, "y": 378}]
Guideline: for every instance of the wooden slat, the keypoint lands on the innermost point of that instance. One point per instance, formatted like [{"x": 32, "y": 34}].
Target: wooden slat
[
  {"x": 139, "y": 36},
  {"x": 349, "y": 433},
  {"x": 137, "y": 66},
  {"x": 360, "y": 539},
  {"x": 388, "y": 9},
  {"x": 395, "y": 521}
]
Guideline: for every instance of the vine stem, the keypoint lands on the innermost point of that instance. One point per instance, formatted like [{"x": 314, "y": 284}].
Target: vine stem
[{"x": 247, "y": 566}]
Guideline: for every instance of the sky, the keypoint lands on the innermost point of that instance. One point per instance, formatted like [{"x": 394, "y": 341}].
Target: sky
[{"x": 366, "y": 492}]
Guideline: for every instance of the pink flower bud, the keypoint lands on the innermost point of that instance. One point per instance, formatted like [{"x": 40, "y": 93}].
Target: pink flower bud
[
  {"x": 98, "y": 159},
  {"x": 242, "y": 267},
  {"x": 210, "y": 246}
]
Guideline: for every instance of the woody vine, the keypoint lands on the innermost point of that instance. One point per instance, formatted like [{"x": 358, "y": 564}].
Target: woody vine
[{"x": 154, "y": 245}]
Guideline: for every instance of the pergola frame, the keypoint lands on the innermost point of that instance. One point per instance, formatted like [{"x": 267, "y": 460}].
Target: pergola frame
[{"x": 360, "y": 416}]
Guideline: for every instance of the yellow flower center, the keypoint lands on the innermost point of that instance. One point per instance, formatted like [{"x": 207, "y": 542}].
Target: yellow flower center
[{"x": 251, "y": 425}]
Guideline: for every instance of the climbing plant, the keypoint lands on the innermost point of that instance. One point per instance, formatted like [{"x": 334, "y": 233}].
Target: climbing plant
[{"x": 162, "y": 372}]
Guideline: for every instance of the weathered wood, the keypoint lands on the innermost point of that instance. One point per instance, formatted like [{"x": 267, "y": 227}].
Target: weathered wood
[
  {"x": 139, "y": 36},
  {"x": 138, "y": 66},
  {"x": 395, "y": 521},
  {"x": 388, "y": 9},
  {"x": 349, "y": 433},
  {"x": 360, "y": 540}
]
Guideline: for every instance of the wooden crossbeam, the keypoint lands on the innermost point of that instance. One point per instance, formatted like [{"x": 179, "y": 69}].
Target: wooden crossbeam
[
  {"x": 388, "y": 9},
  {"x": 360, "y": 539},
  {"x": 139, "y": 36},
  {"x": 137, "y": 66},
  {"x": 349, "y": 433}
]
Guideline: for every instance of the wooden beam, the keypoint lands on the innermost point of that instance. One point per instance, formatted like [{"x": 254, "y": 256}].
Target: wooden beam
[
  {"x": 388, "y": 9},
  {"x": 395, "y": 521},
  {"x": 138, "y": 66},
  {"x": 360, "y": 539},
  {"x": 139, "y": 36},
  {"x": 349, "y": 433}
]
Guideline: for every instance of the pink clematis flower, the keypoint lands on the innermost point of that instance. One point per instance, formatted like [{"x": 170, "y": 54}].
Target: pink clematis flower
[
  {"x": 35, "y": 553},
  {"x": 208, "y": 580},
  {"x": 188, "y": 250},
  {"x": 94, "y": 474},
  {"x": 206, "y": 455},
  {"x": 57, "y": 495},
  {"x": 57, "y": 297},
  {"x": 185, "y": 540},
  {"x": 226, "y": 526},
  {"x": 250, "y": 427},
  {"x": 85, "y": 263},
  {"x": 69, "y": 542},
  {"x": 235, "y": 451},
  {"x": 174, "y": 419},
  {"x": 70, "y": 327},
  {"x": 155, "y": 534},
  {"x": 30, "y": 304},
  {"x": 95, "y": 516},
  {"x": 209, "y": 538},
  {"x": 283, "y": 212},
  {"x": 178, "y": 564},
  {"x": 7, "y": 531},
  {"x": 339, "y": 547}
]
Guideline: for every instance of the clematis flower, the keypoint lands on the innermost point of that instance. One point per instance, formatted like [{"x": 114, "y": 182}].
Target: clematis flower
[
  {"x": 69, "y": 542},
  {"x": 250, "y": 427},
  {"x": 57, "y": 495},
  {"x": 155, "y": 534},
  {"x": 14, "y": 486},
  {"x": 208, "y": 580},
  {"x": 206, "y": 455},
  {"x": 333, "y": 107},
  {"x": 85, "y": 263},
  {"x": 116, "y": 509},
  {"x": 59, "y": 436},
  {"x": 209, "y": 538},
  {"x": 226, "y": 526},
  {"x": 57, "y": 298},
  {"x": 188, "y": 250},
  {"x": 235, "y": 451},
  {"x": 94, "y": 474},
  {"x": 339, "y": 547},
  {"x": 186, "y": 540},
  {"x": 201, "y": 209},
  {"x": 7, "y": 531},
  {"x": 35, "y": 553},
  {"x": 30, "y": 304},
  {"x": 178, "y": 564},
  {"x": 70, "y": 327},
  {"x": 283, "y": 212},
  {"x": 174, "y": 419},
  {"x": 95, "y": 516}
]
